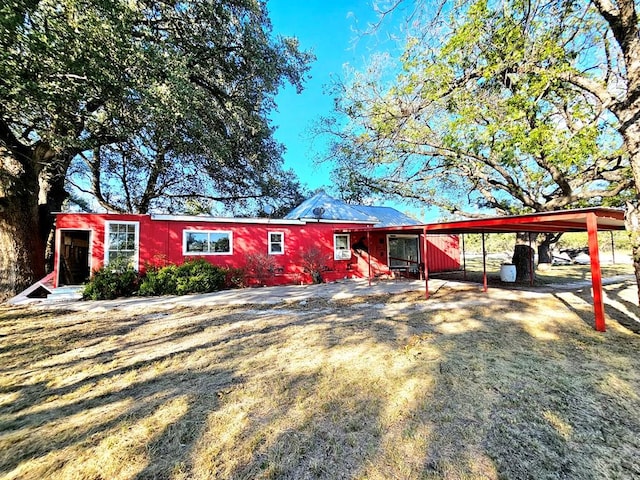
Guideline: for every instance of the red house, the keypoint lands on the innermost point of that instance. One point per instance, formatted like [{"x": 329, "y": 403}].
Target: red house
[{"x": 344, "y": 241}]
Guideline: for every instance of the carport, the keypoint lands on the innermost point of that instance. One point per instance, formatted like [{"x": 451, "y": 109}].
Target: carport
[{"x": 590, "y": 220}]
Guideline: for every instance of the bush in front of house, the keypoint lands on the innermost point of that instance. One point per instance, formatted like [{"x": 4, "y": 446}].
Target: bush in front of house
[
  {"x": 193, "y": 276},
  {"x": 115, "y": 280},
  {"x": 199, "y": 276},
  {"x": 159, "y": 281}
]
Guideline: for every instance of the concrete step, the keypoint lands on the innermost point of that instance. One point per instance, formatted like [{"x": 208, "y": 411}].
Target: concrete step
[{"x": 66, "y": 293}]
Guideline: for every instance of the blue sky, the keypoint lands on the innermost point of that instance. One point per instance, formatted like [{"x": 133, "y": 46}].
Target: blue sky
[
  {"x": 328, "y": 28},
  {"x": 333, "y": 30}
]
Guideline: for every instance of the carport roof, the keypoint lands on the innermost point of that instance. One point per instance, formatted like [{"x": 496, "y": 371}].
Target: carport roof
[
  {"x": 589, "y": 220},
  {"x": 556, "y": 221}
]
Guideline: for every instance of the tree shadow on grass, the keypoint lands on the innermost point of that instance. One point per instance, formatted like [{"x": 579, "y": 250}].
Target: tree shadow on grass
[
  {"x": 617, "y": 307},
  {"x": 338, "y": 392}
]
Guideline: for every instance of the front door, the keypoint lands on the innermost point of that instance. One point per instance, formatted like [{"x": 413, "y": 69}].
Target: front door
[
  {"x": 404, "y": 253},
  {"x": 73, "y": 259}
]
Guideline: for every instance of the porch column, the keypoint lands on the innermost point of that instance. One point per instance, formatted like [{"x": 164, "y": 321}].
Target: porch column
[{"x": 596, "y": 273}]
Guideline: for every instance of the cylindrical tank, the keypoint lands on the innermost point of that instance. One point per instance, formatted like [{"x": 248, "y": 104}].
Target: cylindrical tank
[{"x": 508, "y": 273}]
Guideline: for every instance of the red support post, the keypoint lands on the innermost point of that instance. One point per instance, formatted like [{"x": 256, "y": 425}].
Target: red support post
[
  {"x": 426, "y": 266},
  {"x": 484, "y": 265},
  {"x": 531, "y": 262},
  {"x": 464, "y": 260},
  {"x": 613, "y": 248},
  {"x": 369, "y": 255},
  {"x": 596, "y": 273}
]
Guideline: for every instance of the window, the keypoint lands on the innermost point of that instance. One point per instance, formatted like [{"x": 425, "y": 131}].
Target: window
[
  {"x": 121, "y": 242},
  {"x": 276, "y": 243},
  {"x": 202, "y": 242},
  {"x": 341, "y": 247}
]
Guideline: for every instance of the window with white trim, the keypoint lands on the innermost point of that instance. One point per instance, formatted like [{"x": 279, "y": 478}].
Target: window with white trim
[
  {"x": 207, "y": 242},
  {"x": 121, "y": 242},
  {"x": 341, "y": 246},
  {"x": 276, "y": 243}
]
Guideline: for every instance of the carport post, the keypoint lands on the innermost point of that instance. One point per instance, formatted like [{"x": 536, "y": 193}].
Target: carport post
[
  {"x": 426, "y": 266},
  {"x": 484, "y": 265},
  {"x": 464, "y": 260},
  {"x": 532, "y": 262},
  {"x": 613, "y": 248},
  {"x": 596, "y": 273},
  {"x": 369, "y": 254}
]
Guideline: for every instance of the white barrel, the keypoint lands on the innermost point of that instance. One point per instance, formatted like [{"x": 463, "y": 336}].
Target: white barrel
[{"x": 508, "y": 273}]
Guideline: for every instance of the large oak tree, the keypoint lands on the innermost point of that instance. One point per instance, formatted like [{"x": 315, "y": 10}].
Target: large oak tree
[
  {"x": 514, "y": 106},
  {"x": 173, "y": 93}
]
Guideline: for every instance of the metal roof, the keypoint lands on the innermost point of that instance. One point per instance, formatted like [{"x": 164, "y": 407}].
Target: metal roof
[
  {"x": 546, "y": 222},
  {"x": 387, "y": 216},
  {"x": 324, "y": 207}
]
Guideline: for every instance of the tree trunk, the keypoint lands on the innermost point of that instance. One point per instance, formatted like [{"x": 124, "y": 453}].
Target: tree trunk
[
  {"x": 522, "y": 257},
  {"x": 545, "y": 258},
  {"x": 21, "y": 248},
  {"x": 30, "y": 189},
  {"x": 631, "y": 135}
]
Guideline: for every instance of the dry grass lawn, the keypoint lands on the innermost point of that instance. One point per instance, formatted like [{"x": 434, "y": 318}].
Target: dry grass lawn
[{"x": 506, "y": 385}]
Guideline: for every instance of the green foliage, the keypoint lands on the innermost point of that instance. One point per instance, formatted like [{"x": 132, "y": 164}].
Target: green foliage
[
  {"x": 141, "y": 104},
  {"x": 199, "y": 276},
  {"x": 159, "y": 281},
  {"x": 621, "y": 241},
  {"x": 118, "y": 279},
  {"x": 493, "y": 243},
  {"x": 193, "y": 276},
  {"x": 480, "y": 112}
]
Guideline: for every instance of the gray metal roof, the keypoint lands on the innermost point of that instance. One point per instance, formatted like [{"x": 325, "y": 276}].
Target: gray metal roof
[
  {"x": 324, "y": 207},
  {"x": 387, "y": 216}
]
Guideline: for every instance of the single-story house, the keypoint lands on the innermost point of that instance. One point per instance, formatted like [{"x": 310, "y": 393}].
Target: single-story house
[{"x": 312, "y": 233}]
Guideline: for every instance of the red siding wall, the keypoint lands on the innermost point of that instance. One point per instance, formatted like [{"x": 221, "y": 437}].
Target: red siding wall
[
  {"x": 443, "y": 253},
  {"x": 160, "y": 242}
]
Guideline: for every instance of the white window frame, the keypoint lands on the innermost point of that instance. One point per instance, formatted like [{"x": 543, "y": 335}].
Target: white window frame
[
  {"x": 341, "y": 253},
  {"x": 409, "y": 236},
  {"x": 272, "y": 243},
  {"x": 186, "y": 232},
  {"x": 107, "y": 243}
]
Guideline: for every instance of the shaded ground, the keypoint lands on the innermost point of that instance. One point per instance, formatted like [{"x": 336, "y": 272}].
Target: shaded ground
[{"x": 508, "y": 384}]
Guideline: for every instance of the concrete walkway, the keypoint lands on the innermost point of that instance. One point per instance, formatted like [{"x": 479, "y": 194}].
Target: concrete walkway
[
  {"x": 299, "y": 293},
  {"x": 252, "y": 296}
]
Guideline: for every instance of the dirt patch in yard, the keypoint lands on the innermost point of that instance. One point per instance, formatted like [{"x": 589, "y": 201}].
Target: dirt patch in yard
[{"x": 466, "y": 385}]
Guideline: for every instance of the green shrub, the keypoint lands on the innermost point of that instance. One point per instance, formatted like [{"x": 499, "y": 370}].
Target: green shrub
[
  {"x": 159, "y": 281},
  {"x": 112, "y": 281},
  {"x": 199, "y": 276},
  {"x": 193, "y": 276}
]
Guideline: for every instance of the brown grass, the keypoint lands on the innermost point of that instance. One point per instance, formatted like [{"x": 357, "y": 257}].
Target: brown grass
[{"x": 463, "y": 386}]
